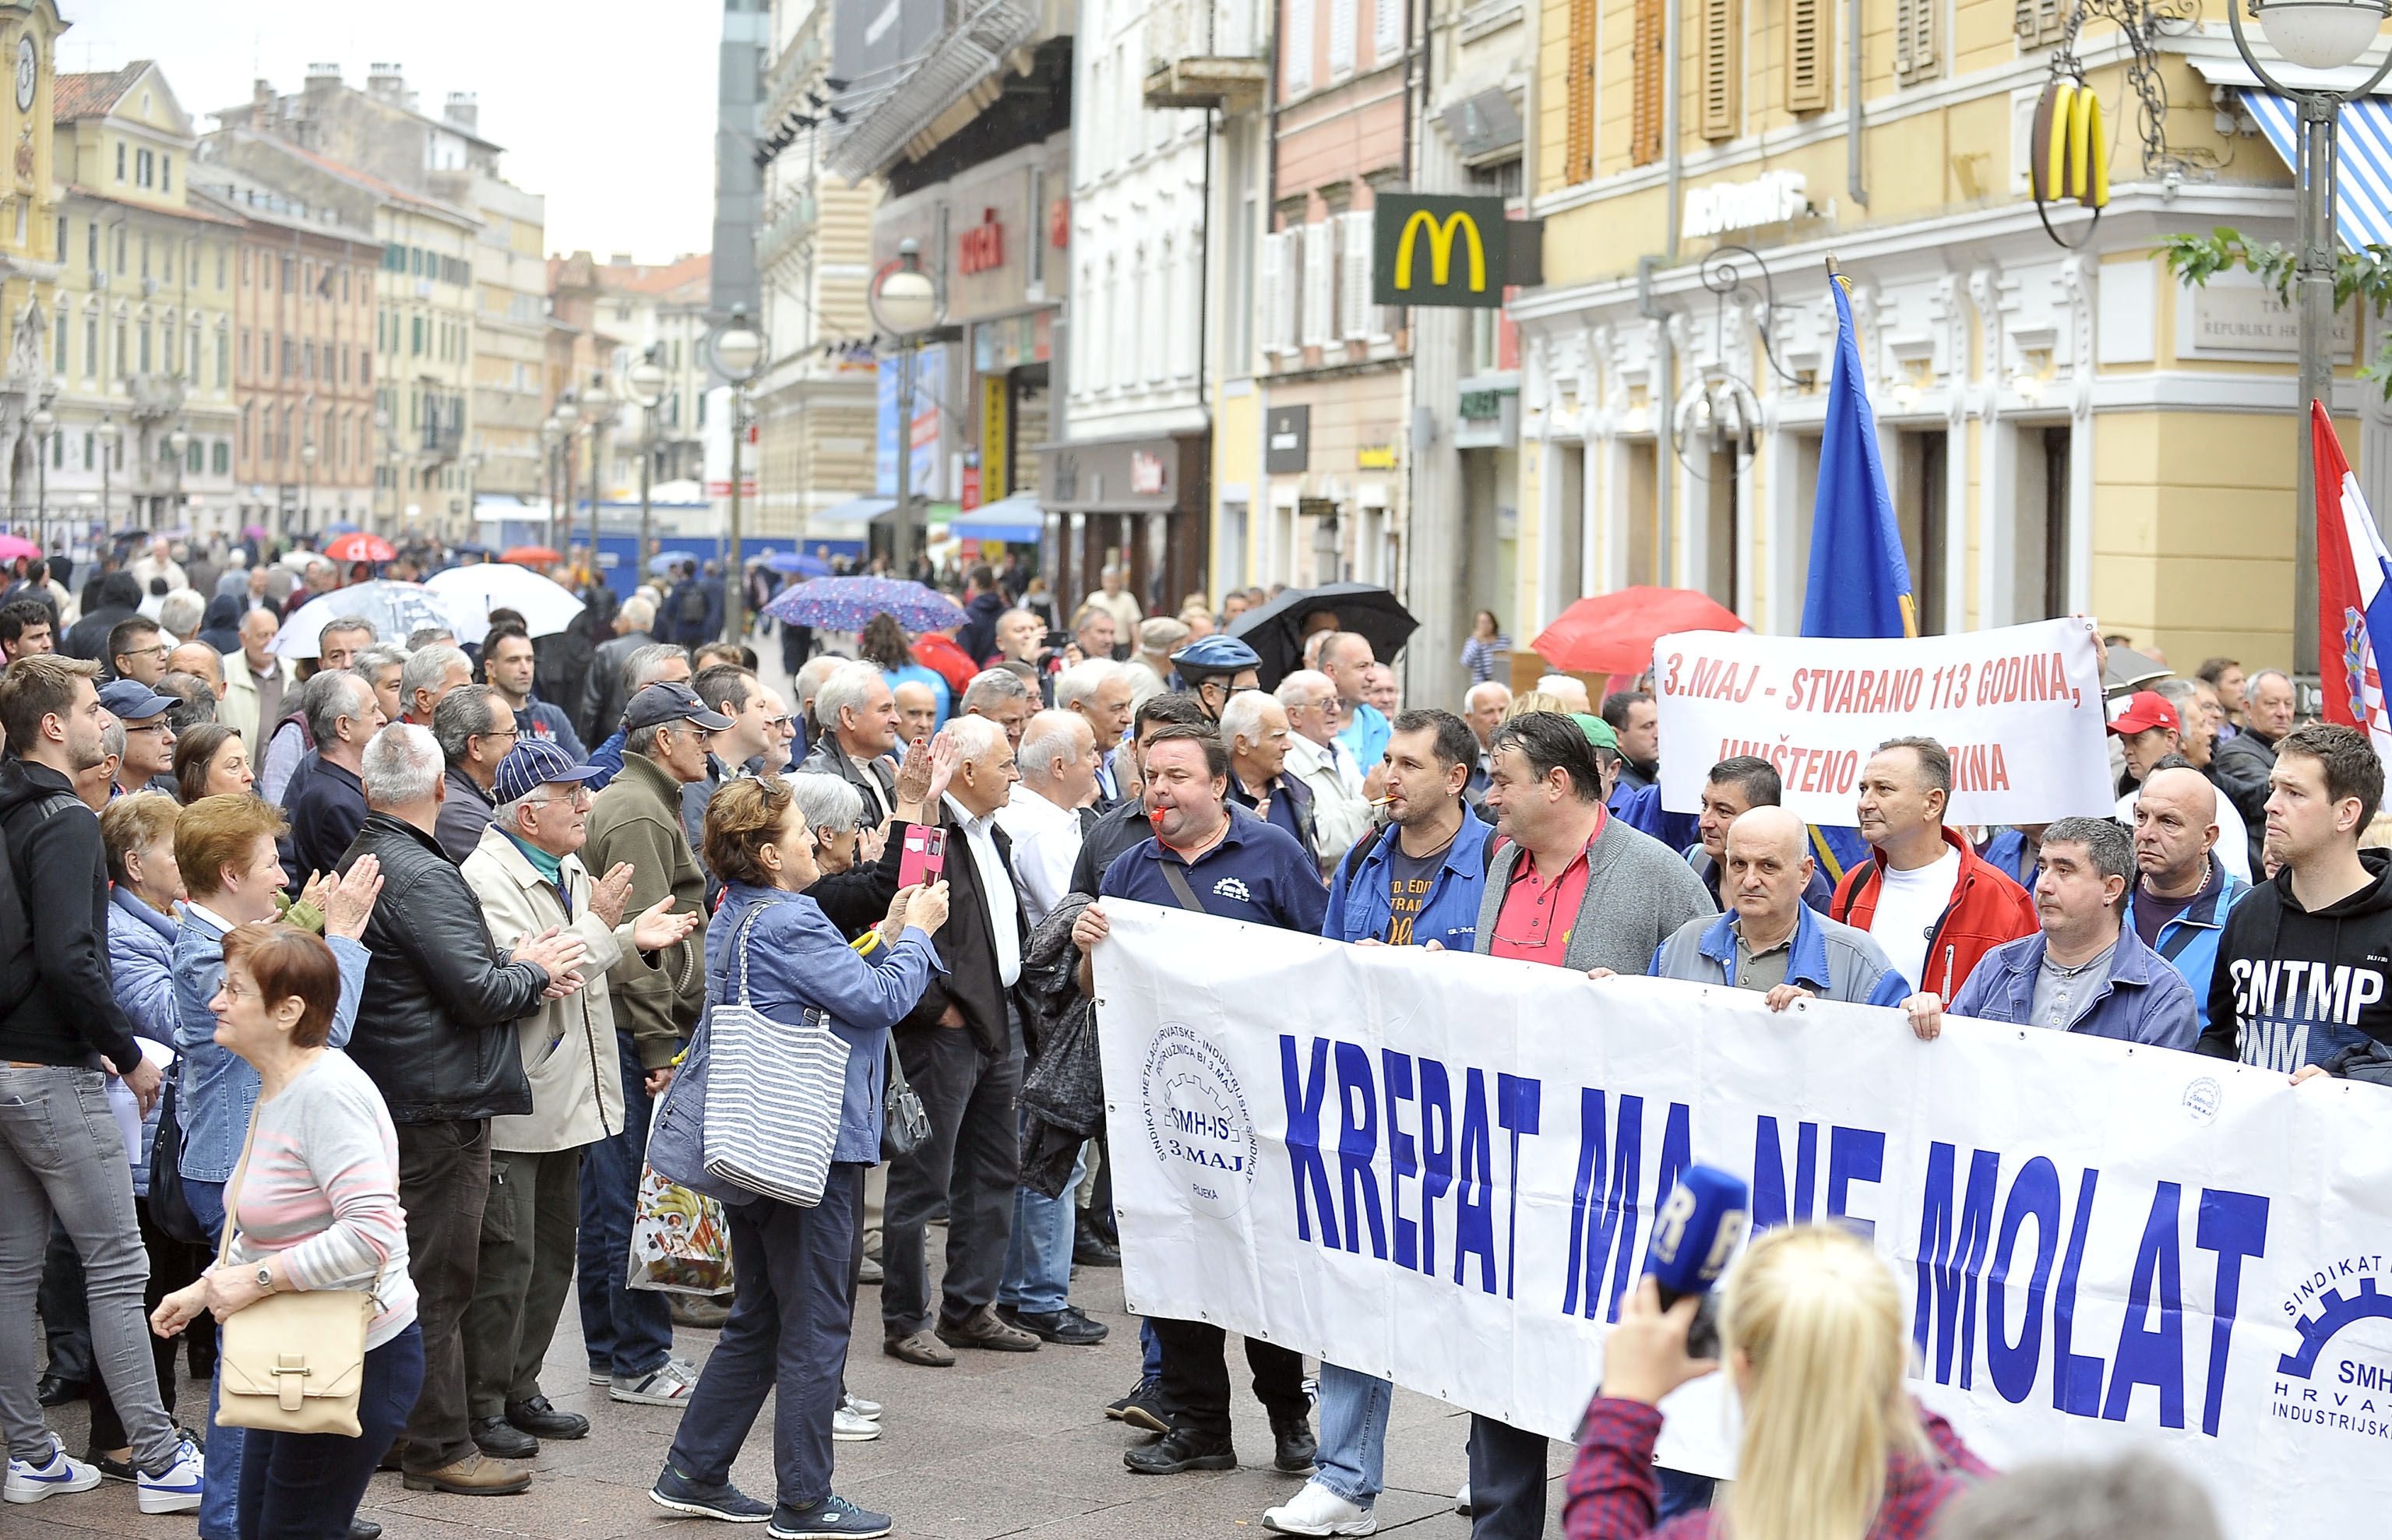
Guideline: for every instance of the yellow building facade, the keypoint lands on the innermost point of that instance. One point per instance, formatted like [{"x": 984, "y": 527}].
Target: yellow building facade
[{"x": 2065, "y": 429}]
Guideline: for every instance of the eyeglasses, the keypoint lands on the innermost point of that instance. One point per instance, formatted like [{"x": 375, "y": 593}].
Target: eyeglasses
[
  {"x": 160, "y": 650},
  {"x": 779, "y": 721},
  {"x": 160, "y": 725},
  {"x": 499, "y": 732},
  {"x": 582, "y": 796}
]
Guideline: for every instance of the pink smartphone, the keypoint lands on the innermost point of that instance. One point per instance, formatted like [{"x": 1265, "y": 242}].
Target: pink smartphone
[{"x": 924, "y": 858}]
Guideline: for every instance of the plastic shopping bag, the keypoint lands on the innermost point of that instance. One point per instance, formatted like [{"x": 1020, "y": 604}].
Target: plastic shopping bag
[{"x": 679, "y": 1244}]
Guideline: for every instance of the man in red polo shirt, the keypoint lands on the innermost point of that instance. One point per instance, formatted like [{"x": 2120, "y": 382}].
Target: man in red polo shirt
[{"x": 1575, "y": 888}]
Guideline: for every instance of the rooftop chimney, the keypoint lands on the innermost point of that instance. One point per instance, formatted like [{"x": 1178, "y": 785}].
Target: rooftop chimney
[
  {"x": 320, "y": 77},
  {"x": 463, "y": 112},
  {"x": 385, "y": 82},
  {"x": 261, "y": 106}
]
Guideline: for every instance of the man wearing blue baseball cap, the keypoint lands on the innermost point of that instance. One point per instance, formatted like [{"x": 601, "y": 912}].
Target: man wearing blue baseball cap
[
  {"x": 527, "y": 872},
  {"x": 148, "y": 761}
]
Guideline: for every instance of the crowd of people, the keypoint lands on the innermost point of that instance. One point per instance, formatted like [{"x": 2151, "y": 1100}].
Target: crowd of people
[{"x": 370, "y": 976}]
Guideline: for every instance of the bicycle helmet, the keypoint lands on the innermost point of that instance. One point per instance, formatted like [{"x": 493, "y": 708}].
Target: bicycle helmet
[{"x": 1214, "y": 656}]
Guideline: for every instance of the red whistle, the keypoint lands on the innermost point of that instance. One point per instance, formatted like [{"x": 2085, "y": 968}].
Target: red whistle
[{"x": 1154, "y": 814}]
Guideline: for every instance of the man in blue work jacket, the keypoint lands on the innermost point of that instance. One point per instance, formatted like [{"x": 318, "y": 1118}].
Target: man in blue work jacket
[{"x": 2182, "y": 891}]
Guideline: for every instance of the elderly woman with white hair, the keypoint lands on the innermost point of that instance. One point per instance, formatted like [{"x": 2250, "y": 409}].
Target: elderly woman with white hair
[{"x": 859, "y": 859}]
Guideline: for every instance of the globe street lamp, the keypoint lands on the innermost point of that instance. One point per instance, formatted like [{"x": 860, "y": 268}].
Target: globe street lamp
[
  {"x": 738, "y": 352},
  {"x": 906, "y": 301},
  {"x": 107, "y": 433},
  {"x": 647, "y": 382},
  {"x": 2315, "y": 34}
]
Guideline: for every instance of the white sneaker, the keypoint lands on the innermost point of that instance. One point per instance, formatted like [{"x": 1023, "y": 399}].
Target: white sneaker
[
  {"x": 869, "y": 1409},
  {"x": 668, "y": 1384},
  {"x": 29, "y": 1482},
  {"x": 1318, "y": 1510},
  {"x": 1461, "y": 1501},
  {"x": 846, "y": 1427},
  {"x": 176, "y": 1489}
]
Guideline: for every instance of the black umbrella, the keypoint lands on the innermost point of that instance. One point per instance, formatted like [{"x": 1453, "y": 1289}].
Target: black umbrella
[{"x": 1277, "y": 631}]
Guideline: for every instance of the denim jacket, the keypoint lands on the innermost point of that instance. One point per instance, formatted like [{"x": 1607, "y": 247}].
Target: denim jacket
[
  {"x": 218, "y": 1087},
  {"x": 1834, "y": 962},
  {"x": 797, "y": 961},
  {"x": 2144, "y": 1000}
]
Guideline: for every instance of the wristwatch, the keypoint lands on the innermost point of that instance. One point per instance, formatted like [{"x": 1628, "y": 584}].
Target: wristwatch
[{"x": 266, "y": 1278}]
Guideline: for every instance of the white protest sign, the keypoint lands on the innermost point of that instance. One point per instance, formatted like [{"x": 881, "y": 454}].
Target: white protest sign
[
  {"x": 1443, "y": 1168},
  {"x": 2018, "y": 709}
]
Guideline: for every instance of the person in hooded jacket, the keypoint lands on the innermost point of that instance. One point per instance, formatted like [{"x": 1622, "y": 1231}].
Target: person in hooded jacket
[
  {"x": 220, "y": 627},
  {"x": 2300, "y": 975},
  {"x": 113, "y": 597}
]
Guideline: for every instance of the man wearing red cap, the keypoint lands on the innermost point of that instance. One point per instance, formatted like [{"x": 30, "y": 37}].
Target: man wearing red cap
[{"x": 2150, "y": 730}]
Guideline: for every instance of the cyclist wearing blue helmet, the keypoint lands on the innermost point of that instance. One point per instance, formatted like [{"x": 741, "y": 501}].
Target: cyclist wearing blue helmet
[{"x": 1215, "y": 668}]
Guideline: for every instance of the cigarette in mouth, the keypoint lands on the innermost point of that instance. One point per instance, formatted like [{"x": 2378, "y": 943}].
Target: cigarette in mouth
[{"x": 1381, "y": 801}]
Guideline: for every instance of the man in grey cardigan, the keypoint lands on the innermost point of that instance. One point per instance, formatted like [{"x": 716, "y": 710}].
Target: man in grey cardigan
[{"x": 1578, "y": 889}]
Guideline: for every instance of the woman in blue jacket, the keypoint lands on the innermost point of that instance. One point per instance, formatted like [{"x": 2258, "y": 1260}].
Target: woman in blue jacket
[{"x": 795, "y": 1268}]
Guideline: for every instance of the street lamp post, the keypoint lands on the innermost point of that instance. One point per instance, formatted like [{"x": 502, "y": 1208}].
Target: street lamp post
[
  {"x": 560, "y": 430},
  {"x": 179, "y": 444},
  {"x": 647, "y": 382},
  {"x": 43, "y": 423},
  {"x": 737, "y": 353},
  {"x": 2315, "y": 34},
  {"x": 597, "y": 410},
  {"x": 906, "y": 301},
  {"x": 107, "y": 433}
]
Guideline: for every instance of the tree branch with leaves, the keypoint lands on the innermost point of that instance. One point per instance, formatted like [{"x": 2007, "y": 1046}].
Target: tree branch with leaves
[{"x": 2193, "y": 260}]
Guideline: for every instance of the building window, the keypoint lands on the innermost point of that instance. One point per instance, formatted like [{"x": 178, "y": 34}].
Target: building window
[
  {"x": 286, "y": 276},
  {"x": 1808, "y": 69},
  {"x": 120, "y": 165},
  {"x": 1579, "y": 92},
  {"x": 145, "y": 254},
  {"x": 119, "y": 251},
  {"x": 1721, "y": 76},
  {"x": 224, "y": 349},
  {"x": 166, "y": 182},
  {"x": 90, "y": 346},
  {"x": 1645, "y": 82},
  {"x": 1299, "y": 44},
  {"x": 1341, "y": 38},
  {"x": 91, "y": 246},
  {"x": 1914, "y": 41},
  {"x": 247, "y": 409},
  {"x": 415, "y": 337},
  {"x": 59, "y": 357},
  {"x": 122, "y": 355},
  {"x": 220, "y": 459},
  {"x": 141, "y": 335}
]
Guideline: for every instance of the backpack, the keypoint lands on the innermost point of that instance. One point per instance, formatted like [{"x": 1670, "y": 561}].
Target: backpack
[{"x": 689, "y": 605}]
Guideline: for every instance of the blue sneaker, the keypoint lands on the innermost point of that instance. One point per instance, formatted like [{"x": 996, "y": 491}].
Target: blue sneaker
[
  {"x": 176, "y": 1488},
  {"x": 677, "y": 1492},
  {"x": 30, "y": 1481},
  {"x": 832, "y": 1519}
]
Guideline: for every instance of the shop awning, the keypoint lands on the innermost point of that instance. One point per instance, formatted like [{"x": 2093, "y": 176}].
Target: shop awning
[
  {"x": 2362, "y": 204},
  {"x": 1016, "y": 520},
  {"x": 856, "y": 510}
]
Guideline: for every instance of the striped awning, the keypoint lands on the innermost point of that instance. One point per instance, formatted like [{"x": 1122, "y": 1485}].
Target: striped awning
[{"x": 2362, "y": 204}]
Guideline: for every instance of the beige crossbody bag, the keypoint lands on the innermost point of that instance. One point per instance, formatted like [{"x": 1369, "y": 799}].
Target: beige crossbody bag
[{"x": 293, "y": 1363}]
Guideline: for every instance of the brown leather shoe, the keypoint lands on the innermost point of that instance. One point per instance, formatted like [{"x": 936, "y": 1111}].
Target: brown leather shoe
[
  {"x": 918, "y": 1347},
  {"x": 476, "y": 1475},
  {"x": 984, "y": 1328}
]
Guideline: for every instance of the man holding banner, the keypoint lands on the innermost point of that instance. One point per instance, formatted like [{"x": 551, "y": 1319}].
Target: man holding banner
[{"x": 1574, "y": 889}]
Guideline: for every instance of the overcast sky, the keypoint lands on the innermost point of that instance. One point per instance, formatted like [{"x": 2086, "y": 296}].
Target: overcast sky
[{"x": 605, "y": 107}]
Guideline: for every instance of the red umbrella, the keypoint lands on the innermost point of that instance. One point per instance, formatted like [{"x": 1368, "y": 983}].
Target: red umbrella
[
  {"x": 360, "y": 546},
  {"x": 531, "y": 555},
  {"x": 1614, "y": 632}
]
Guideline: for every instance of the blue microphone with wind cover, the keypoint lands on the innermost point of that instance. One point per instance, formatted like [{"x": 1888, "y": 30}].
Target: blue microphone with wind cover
[{"x": 1695, "y": 1234}]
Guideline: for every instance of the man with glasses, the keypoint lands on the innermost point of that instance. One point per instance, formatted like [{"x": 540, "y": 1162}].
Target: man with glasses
[
  {"x": 329, "y": 804},
  {"x": 477, "y": 732},
  {"x": 138, "y": 650},
  {"x": 637, "y": 820},
  {"x": 148, "y": 761}
]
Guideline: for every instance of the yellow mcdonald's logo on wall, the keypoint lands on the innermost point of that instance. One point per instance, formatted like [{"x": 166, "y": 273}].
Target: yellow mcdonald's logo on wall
[
  {"x": 2068, "y": 158},
  {"x": 1468, "y": 256}
]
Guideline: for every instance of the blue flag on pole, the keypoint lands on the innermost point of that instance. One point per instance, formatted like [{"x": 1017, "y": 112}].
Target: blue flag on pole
[{"x": 1860, "y": 577}]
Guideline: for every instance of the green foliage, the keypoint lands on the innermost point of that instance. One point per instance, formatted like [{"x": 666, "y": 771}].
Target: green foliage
[{"x": 2366, "y": 275}]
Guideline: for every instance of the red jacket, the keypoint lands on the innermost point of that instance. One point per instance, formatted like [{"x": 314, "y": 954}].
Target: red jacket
[
  {"x": 1987, "y": 909},
  {"x": 951, "y": 663}
]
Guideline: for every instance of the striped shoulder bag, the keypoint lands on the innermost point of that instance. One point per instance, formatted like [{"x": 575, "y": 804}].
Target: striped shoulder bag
[{"x": 773, "y": 1093}]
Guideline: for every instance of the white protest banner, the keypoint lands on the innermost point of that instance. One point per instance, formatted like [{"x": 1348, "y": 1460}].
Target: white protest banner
[
  {"x": 2018, "y": 709},
  {"x": 1443, "y": 1168}
]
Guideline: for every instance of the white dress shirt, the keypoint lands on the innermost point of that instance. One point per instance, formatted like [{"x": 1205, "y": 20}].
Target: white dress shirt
[
  {"x": 1340, "y": 815},
  {"x": 997, "y": 889},
  {"x": 1045, "y": 845}
]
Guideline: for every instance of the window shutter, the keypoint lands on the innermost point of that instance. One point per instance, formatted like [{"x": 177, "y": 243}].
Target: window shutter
[
  {"x": 1387, "y": 30},
  {"x": 1807, "y": 71},
  {"x": 1278, "y": 308},
  {"x": 2038, "y": 22},
  {"x": 1579, "y": 89},
  {"x": 1298, "y": 46},
  {"x": 1341, "y": 38},
  {"x": 1645, "y": 119},
  {"x": 1914, "y": 41},
  {"x": 1355, "y": 321},
  {"x": 1319, "y": 315},
  {"x": 1719, "y": 70}
]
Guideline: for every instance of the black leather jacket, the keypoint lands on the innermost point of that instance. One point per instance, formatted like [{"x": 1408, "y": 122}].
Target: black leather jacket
[
  {"x": 601, "y": 693},
  {"x": 436, "y": 1028}
]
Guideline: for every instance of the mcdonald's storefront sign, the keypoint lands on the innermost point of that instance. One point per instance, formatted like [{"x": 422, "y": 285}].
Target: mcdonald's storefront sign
[{"x": 1440, "y": 251}]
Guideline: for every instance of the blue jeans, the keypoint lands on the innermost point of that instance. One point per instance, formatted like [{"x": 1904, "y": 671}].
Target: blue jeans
[
  {"x": 1149, "y": 1348},
  {"x": 1038, "y": 1257},
  {"x": 792, "y": 1316},
  {"x": 1353, "y": 1433},
  {"x": 220, "y": 1495},
  {"x": 627, "y": 1331},
  {"x": 307, "y": 1486}
]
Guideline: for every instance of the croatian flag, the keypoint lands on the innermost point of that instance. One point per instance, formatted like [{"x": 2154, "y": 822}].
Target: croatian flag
[{"x": 2354, "y": 594}]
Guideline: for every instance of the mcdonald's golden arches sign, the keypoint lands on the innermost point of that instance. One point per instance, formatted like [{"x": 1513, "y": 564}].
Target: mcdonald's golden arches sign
[{"x": 1439, "y": 251}]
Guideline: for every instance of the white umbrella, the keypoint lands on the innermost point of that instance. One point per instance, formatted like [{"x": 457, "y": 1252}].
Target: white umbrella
[
  {"x": 547, "y": 605},
  {"x": 395, "y": 608}
]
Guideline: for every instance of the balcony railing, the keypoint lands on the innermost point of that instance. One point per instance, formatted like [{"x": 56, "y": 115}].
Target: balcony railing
[{"x": 1204, "y": 53}]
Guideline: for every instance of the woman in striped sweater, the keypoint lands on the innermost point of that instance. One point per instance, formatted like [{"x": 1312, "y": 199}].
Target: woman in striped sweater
[{"x": 317, "y": 1207}]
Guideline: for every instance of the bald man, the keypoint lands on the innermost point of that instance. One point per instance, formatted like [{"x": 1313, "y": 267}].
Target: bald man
[
  {"x": 1769, "y": 940},
  {"x": 918, "y": 710},
  {"x": 197, "y": 658},
  {"x": 2184, "y": 886}
]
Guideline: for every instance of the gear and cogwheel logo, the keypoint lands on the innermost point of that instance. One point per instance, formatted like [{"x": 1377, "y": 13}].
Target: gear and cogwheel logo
[
  {"x": 2335, "y": 1311},
  {"x": 1197, "y": 1121}
]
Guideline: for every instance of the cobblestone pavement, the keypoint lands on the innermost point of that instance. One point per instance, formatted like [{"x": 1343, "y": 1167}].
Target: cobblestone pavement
[{"x": 1001, "y": 1444}]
